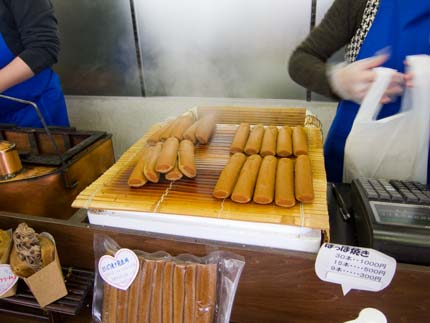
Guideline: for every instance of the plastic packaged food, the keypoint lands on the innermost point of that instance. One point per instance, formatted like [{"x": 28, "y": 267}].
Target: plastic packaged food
[{"x": 135, "y": 286}]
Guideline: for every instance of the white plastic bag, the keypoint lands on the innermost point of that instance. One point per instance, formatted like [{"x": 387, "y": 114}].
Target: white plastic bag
[{"x": 395, "y": 147}]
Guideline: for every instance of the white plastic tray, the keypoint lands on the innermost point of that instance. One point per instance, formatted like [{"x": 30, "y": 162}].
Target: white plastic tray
[{"x": 248, "y": 233}]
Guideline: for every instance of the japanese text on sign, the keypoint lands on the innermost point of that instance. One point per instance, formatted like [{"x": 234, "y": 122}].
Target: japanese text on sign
[{"x": 354, "y": 267}]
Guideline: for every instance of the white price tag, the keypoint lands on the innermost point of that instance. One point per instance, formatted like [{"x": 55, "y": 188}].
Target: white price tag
[
  {"x": 354, "y": 267},
  {"x": 119, "y": 271}
]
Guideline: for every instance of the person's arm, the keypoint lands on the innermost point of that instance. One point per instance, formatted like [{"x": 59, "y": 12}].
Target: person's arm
[
  {"x": 37, "y": 29},
  {"x": 307, "y": 65},
  {"x": 14, "y": 73}
]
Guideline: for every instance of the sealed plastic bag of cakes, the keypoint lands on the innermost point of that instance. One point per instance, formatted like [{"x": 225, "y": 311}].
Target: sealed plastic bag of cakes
[
  {"x": 8, "y": 279},
  {"x": 34, "y": 258},
  {"x": 136, "y": 286}
]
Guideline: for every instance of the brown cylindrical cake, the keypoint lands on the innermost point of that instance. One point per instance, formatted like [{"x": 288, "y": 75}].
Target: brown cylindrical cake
[
  {"x": 229, "y": 176},
  {"x": 240, "y": 138},
  {"x": 284, "y": 190},
  {"x": 110, "y": 302},
  {"x": 168, "y": 155},
  {"x": 284, "y": 147},
  {"x": 182, "y": 125},
  {"x": 167, "y": 133},
  {"x": 206, "y": 293},
  {"x": 149, "y": 166},
  {"x": 244, "y": 188},
  {"x": 134, "y": 294},
  {"x": 168, "y": 292},
  {"x": 137, "y": 177},
  {"x": 304, "y": 189},
  {"x": 300, "y": 141},
  {"x": 265, "y": 186},
  {"x": 106, "y": 317},
  {"x": 122, "y": 306},
  {"x": 190, "y": 133},
  {"x": 178, "y": 293},
  {"x": 268, "y": 146},
  {"x": 186, "y": 159},
  {"x": 156, "y": 314},
  {"x": 206, "y": 128},
  {"x": 190, "y": 293},
  {"x": 156, "y": 136},
  {"x": 175, "y": 174},
  {"x": 253, "y": 144},
  {"x": 146, "y": 279}
]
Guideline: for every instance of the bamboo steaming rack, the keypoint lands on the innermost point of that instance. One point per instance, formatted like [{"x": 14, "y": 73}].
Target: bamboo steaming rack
[{"x": 193, "y": 197}]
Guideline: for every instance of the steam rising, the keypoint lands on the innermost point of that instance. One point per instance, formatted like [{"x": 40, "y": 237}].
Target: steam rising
[{"x": 226, "y": 48}]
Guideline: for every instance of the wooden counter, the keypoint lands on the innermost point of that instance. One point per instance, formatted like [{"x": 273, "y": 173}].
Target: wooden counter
[{"x": 276, "y": 286}]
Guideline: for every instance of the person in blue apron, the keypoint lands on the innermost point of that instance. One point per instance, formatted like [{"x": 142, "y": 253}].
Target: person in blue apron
[
  {"x": 395, "y": 28},
  {"x": 29, "y": 46}
]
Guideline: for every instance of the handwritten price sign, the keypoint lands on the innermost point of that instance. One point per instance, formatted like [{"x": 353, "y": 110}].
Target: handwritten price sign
[{"x": 354, "y": 267}]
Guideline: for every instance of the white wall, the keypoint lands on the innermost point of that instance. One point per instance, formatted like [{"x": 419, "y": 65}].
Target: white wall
[{"x": 128, "y": 118}]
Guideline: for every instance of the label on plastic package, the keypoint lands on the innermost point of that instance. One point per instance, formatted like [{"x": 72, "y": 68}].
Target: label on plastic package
[
  {"x": 7, "y": 279},
  {"x": 119, "y": 271},
  {"x": 354, "y": 267}
]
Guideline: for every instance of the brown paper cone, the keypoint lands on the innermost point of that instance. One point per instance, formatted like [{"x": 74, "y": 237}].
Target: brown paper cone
[{"x": 47, "y": 285}]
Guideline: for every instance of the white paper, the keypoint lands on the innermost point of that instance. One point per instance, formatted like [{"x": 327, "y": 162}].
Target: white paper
[
  {"x": 119, "y": 271},
  {"x": 354, "y": 267}
]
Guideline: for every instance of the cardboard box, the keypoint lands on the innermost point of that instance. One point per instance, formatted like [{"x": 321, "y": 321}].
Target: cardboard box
[{"x": 47, "y": 285}]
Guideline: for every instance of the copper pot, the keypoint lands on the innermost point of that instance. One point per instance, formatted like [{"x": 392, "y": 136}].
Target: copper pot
[{"x": 10, "y": 163}]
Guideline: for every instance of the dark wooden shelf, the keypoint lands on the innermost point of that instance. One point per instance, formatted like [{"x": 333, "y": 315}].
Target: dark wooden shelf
[
  {"x": 79, "y": 283},
  {"x": 275, "y": 286}
]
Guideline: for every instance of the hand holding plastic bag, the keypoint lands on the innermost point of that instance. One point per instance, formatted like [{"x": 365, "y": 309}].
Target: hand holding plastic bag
[
  {"x": 395, "y": 147},
  {"x": 352, "y": 81}
]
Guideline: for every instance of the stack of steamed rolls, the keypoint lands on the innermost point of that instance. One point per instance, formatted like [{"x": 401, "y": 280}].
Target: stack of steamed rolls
[
  {"x": 170, "y": 150},
  {"x": 164, "y": 290}
]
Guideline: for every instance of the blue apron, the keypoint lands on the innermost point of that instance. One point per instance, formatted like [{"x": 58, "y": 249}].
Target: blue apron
[
  {"x": 44, "y": 89},
  {"x": 404, "y": 27}
]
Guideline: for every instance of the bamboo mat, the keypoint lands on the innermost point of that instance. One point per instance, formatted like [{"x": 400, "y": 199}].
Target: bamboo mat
[{"x": 194, "y": 196}]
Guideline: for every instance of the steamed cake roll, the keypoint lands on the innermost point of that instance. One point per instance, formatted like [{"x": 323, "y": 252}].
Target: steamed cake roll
[
  {"x": 284, "y": 190},
  {"x": 229, "y": 176},
  {"x": 284, "y": 147},
  {"x": 240, "y": 138},
  {"x": 206, "y": 128},
  {"x": 175, "y": 174},
  {"x": 186, "y": 159},
  {"x": 190, "y": 293},
  {"x": 151, "y": 161},
  {"x": 265, "y": 186},
  {"x": 182, "y": 125},
  {"x": 178, "y": 293},
  {"x": 156, "y": 136},
  {"x": 168, "y": 155},
  {"x": 253, "y": 144},
  {"x": 268, "y": 146},
  {"x": 244, "y": 188},
  {"x": 300, "y": 141},
  {"x": 206, "y": 293},
  {"x": 168, "y": 292},
  {"x": 190, "y": 133},
  {"x": 303, "y": 179}
]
